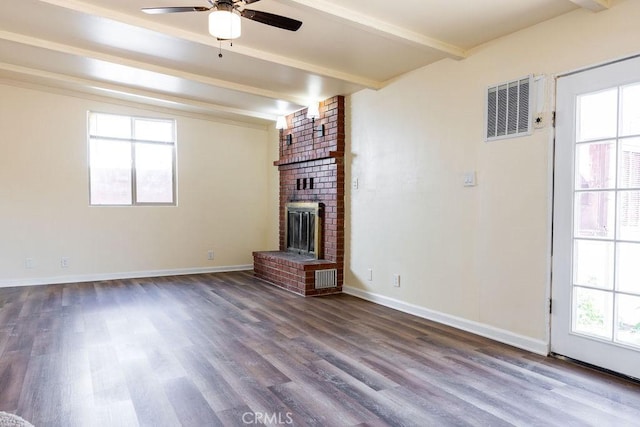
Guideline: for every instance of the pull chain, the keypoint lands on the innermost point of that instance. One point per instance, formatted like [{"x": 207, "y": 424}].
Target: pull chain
[{"x": 220, "y": 47}]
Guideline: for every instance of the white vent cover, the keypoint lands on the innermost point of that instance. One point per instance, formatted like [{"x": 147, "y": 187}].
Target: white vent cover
[
  {"x": 326, "y": 278},
  {"x": 508, "y": 109}
]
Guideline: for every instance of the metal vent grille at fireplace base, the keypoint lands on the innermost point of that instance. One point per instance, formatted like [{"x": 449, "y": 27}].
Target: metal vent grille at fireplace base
[{"x": 326, "y": 278}]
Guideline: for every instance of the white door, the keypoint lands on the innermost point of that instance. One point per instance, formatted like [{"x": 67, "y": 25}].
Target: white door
[{"x": 596, "y": 244}]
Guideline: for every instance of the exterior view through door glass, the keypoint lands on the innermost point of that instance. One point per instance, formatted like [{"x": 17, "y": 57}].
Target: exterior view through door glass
[{"x": 596, "y": 258}]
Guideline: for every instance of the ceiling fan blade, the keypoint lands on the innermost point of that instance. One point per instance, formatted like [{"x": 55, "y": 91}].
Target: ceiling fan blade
[
  {"x": 250, "y": 1},
  {"x": 160, "y": 10},
  {"x": 272, "y": 19}
]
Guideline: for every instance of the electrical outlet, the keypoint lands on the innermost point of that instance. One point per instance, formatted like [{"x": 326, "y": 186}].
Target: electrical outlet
[
  {"x": 396, "y": 280},
  {"x": 29, "y": 263},
  {"x": 355, "y": 184},
  {"x": 370, "y": 275},
  {"x": 210, "y": 254},
  {"x": 64, "y": 262}
]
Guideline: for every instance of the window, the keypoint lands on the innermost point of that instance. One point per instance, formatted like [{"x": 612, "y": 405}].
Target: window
[{"x": 131, "y": 160}]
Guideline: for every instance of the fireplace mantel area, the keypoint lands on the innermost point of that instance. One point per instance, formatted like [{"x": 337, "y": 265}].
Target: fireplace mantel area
[{"x": 310, "y": 259}]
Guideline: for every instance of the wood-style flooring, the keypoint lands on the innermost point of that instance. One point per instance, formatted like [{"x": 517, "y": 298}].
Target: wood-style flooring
[{"x": 226, "y": 349}]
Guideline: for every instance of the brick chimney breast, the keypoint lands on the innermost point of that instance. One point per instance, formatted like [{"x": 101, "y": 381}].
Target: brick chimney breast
[{"x": 311, "y": 169}]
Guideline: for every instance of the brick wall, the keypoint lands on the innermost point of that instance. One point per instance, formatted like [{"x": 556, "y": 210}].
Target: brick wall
[{"x": 311, "y": 169}]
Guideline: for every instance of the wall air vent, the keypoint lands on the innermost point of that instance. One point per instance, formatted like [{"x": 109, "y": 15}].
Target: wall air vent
[
  {"x": 326, "y": 279},
  {"x": 508, "y": 109}
]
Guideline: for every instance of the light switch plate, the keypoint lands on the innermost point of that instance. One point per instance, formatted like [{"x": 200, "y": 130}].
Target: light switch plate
[{"x": 469, "y": 179}]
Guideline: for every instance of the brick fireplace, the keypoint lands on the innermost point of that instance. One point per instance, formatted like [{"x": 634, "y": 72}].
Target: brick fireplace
[{"x": 311, "y": 167}]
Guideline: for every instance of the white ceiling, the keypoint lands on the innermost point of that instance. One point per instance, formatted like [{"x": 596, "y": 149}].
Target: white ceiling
[{"x": 109, "y": 47}]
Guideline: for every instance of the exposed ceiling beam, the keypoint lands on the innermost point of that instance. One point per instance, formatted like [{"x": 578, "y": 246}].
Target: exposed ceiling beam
[
  {"x": 146, "y": 23},
  {"x": 169, "y": 101},
  {"x": 86, "y": 53},
  {"x": 594, "y": 5},
  {"x": 382, "y": 28}
]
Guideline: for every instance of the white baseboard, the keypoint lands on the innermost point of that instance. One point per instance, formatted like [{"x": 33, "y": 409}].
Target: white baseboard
[
  {"x": 496, "y": 334},
  {"x": 118, "y": 276}
]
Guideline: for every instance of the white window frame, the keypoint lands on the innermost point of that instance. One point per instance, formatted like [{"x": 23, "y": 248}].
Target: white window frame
[{"x": 133, "y": 141}]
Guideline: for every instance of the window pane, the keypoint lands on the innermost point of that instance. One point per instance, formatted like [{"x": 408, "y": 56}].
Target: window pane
[
  {"x": 593, "y": 312},
  {"x": 109, "y": 125},
  {"x": 597, "y": 115},
  {"x": 629, "y": 175},
  {"x": 596, "y": 165},
  {"x": 630, "y": 114},
  {"x": 628, "y": 274},
  {"x": 154, "y": 173},
  {"x": 593, "y": 264},
  {"x": 110, "y": 163},
  {"x": 628, "y": 324},
  {"x": 594, "y": 214},
  {"x": 629, "y": 215},
  {"x": 154, "y": 130}
]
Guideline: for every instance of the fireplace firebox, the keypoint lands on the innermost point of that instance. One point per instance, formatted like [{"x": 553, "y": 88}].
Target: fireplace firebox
[{"x": 304, "y": 228}]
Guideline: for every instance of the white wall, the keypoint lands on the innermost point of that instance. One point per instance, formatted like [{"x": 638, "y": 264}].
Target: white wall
[
  {"x": 477, "y": 257},
  {"x": 223, "y": 189}
]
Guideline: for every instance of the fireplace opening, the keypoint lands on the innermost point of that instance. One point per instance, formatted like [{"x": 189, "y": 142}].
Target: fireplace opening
[{"x": 304, "y": 228}]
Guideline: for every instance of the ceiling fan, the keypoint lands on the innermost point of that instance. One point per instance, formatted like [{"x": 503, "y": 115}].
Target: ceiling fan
[{"x": 224, "y": 19}]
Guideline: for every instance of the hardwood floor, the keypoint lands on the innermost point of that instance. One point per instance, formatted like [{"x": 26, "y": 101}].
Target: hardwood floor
[{"x": 226, "y": 349}]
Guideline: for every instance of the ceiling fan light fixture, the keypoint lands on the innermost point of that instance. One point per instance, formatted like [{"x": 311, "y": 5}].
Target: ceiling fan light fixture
[{"x": 224, "y": 24}]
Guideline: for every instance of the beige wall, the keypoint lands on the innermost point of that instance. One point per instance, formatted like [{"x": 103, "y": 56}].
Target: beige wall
[
  {"x": 224, "y": 188},
  {"x": 477, "y": 256},
  {"x": 273, "y": 228}
]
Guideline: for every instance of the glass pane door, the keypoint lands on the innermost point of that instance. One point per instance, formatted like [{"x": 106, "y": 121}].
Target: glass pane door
[
  {"x": 596, "y": 220},
  {"x": 606, "y": 234}
]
